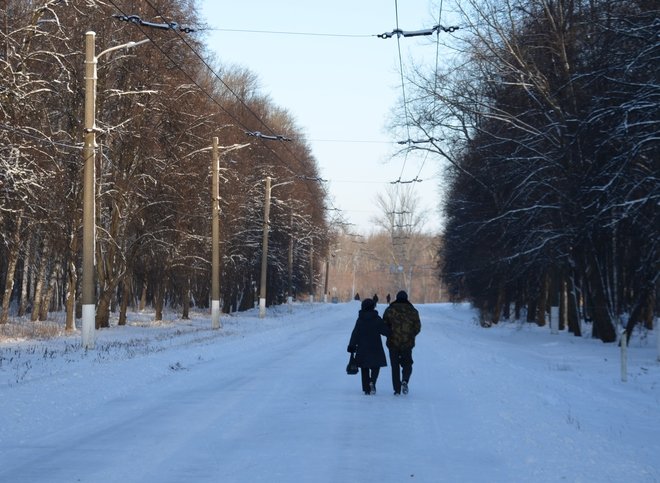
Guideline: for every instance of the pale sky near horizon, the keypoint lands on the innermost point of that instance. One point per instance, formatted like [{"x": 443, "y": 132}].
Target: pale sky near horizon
[{"x": 340, "y": 88}]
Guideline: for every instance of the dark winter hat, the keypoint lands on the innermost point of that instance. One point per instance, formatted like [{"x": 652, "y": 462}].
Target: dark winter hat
[
  {"x": 368, "y": 304},
  {"x": 402, "y": 296}
]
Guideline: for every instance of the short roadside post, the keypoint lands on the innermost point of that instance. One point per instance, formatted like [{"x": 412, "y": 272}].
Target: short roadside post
[{"x": 624, "y": 356}]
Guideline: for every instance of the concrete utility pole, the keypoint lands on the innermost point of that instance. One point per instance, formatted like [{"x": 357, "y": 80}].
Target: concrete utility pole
[
  {"x": 89, "y": 205},
  {"x": 89, "y": 187},
  {"x": 215, "y": 229},
  {"x": 311, "y": 272},
  {"x": 289, "y": 295},
  {"x": 325, "y": 287},
  {"x": 264, "y": 253}
]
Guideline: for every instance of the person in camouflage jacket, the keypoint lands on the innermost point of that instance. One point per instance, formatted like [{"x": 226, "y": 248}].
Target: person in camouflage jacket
[{"x": 403, "y": 321}]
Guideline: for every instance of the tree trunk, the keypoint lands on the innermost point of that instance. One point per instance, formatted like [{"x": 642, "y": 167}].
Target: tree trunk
[
  {"x": 186, "y": 299},
  {"x": 519, "y": 302},
  {"x": 143, "y": 296},
  {"x": 603, "y": 328},
  {"x": 506, "y": 309},
  {"x": 105, "y": 301},
  {"x": 12, "y": 261},
  {"x": 72, "y": 284},
  {"x": 649, "y": 313},
  {"x": 50, "y": 289},
  {"x": 41, "y": 275},
  {"x": 532, "y": 307},
  {"x": 641, "y": 308},
  {"x": 103, "y": 311},
  {"x": 25, "y": 283},
  {"x": 497, "y": 310},
  {"x": 125, "y": 294},
  {"x": 563, "y": 305},
  {"x": 158, "y": 300},
  {"x": 543, "y": 300},
  {"x": 572, "y": 313}
]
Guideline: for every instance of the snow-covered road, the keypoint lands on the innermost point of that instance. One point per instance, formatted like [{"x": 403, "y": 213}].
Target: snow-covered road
[{"x": 269, "y": 401}]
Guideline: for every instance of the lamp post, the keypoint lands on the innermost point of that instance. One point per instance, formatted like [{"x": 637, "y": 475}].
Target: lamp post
[
  {"x": 215, "y": 220},
  {"x": 332, "y": 255},
  {"x": 215, "y": 223},
  {"x": 89, "y": 187},
  {"x": 264, "y": 253},
  {"x": 289, "y": 295},
  {"x": 264, "y": 250}
]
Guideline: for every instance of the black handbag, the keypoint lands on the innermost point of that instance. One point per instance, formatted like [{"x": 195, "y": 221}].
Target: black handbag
[{"x": 352, "y": 367}]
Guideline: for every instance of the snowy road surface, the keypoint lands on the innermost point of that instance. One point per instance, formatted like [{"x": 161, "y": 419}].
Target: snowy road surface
[{"x": 268, "y": 401}]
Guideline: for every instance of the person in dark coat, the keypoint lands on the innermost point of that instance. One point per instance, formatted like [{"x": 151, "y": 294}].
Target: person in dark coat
[
  {"x": 388, "y": 298},
  {"x": 402, "y": 319},
  {"x": 375, "y": 299},
  {"x": 367, "y": 345}
]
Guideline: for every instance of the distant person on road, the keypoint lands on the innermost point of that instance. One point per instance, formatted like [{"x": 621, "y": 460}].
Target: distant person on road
[
  {"x": 402, "y": 318},
  {"x": 367, "y": 345},
  {"x": 375, "y": 299},
  {"x": 388, "y": 298},
  {"x": 357, "y": 296}
]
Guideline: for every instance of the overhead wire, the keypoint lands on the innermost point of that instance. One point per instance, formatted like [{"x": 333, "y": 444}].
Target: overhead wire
[
  {"x": 407, "y": 116},
  {"x": 279, "y": 32},
  {"x": 403, "y": 85},
  {"x": 240, "y": 99},
  {"x": 143, "y": 28},
  {"x": 273, "y": 135},
  {"x": 435, "y": 84}
]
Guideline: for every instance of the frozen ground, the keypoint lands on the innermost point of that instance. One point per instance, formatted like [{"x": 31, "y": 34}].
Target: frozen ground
[{"x": 269, "y": 401}]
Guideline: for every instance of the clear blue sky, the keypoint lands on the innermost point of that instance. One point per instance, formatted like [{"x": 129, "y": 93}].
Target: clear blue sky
[{"x": 337, "y": 88}]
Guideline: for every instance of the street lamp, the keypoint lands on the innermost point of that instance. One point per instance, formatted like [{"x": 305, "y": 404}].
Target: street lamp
[
  {"x": 89, "y": 187},
  {"x": 264, "y": 251},
  {"x": 215, "y": 229},
  {"x": 215, "y": 237}
]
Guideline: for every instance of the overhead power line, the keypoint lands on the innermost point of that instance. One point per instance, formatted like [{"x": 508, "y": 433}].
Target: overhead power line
[
  {"x": 229, "y": 89},
  {"x": 280, "y": 32},
  {"x": 396, "y": 32}
]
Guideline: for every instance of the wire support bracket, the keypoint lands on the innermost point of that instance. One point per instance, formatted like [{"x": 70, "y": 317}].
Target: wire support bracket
[
  {"x": 276, "y": 137},
  {"x": 410, "y": 181},
  {"x": 417, "y": 33},
  {"x": 417, "y": 141},
  {"x": 312, "y": 178},
  {"x": 162, "y": 26}
]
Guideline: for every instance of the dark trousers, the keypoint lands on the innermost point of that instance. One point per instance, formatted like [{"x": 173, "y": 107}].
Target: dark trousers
[
  {"x": 401, "y": 362},
  {"x": 369, "y": 374}
]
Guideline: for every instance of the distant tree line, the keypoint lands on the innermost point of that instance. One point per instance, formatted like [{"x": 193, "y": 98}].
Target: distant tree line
[
  {"x": 159, "y": 106},
  {"x": 398, "y": 255},
  {"x": 548, "y": 119}
]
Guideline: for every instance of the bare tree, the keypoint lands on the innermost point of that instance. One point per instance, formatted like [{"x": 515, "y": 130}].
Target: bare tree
[{"x": 539, "y": 189}]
